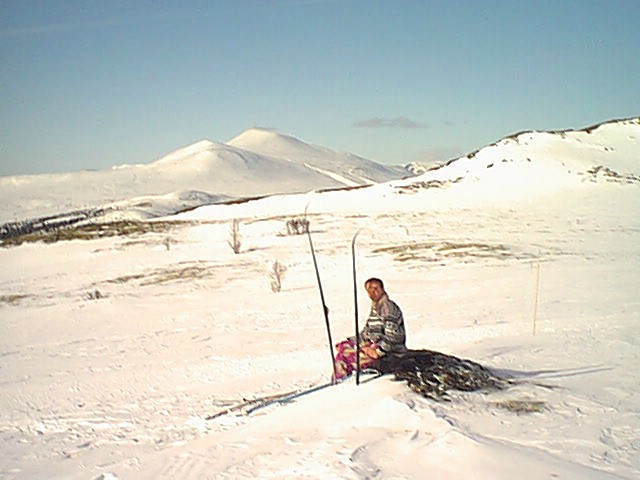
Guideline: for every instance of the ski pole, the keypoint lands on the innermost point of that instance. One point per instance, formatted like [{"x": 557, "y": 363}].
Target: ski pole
[
  {"x": 324, "y": 305},
  {"x": 355, "y": 305}
]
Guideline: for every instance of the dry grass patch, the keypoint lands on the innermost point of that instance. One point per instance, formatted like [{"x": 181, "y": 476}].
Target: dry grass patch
[
  {"x": 13, "y": 299},
  {"x": 439, "y": 251},
  {"x": 521, "y": 406},
  {"x": 95, "y": 230},
  {"x": 176, "y": 273}
]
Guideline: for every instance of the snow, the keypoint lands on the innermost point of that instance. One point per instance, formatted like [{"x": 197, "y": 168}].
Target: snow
[{"x": 113, "y": 351}]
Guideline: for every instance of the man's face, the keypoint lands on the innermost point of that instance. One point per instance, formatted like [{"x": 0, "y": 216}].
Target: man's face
[{"x": 374, "y": 290}]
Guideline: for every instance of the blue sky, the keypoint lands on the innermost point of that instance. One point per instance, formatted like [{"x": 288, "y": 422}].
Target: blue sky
[{"x": 90, "y": 84}]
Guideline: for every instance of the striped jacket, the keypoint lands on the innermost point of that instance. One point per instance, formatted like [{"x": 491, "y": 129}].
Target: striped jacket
[{"x": 385, "y": 326}]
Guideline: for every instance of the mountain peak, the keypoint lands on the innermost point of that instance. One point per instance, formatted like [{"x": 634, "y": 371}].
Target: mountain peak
[
  {"x": 254, "y": 138},
  {"x": 196, "y": 148}
]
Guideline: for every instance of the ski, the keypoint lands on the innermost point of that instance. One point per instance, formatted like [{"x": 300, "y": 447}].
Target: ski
[
  {"x": 244, "y": 404},
  {"x": 247, "y": 407},
  {"x": 282, "y": 399}
]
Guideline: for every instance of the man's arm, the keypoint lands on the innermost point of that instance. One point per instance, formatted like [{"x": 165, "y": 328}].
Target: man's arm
[{"x": 394, "y": 337}]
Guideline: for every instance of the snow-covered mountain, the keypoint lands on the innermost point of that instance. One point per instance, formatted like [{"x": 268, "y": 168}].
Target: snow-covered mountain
[
  {"x": 261, "y": 162},
  {"x": 345, "y": 168},
  {"x": 255, "y": 163}
]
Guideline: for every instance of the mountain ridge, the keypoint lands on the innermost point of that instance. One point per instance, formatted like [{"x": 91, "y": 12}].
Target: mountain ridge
[{"x": 261, "y": 162}]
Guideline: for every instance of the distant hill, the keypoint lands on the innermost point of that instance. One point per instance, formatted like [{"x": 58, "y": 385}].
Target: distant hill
[{"x": 257, "y": 162}]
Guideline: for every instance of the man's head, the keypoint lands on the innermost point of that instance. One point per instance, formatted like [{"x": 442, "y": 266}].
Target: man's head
[{"x": 375, "y": 288}]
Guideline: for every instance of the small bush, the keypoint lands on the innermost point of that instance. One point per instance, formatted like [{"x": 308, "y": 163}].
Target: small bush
[
  {"x": 235, "y": 241},
  {"x": 276, "y": 275},
  {"x": 95, "y": 295},
  {"x": 297, "y": 226}
]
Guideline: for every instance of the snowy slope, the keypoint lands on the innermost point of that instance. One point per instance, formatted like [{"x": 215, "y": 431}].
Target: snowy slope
[
  {"x": 542, "y": 162},
  {"x": 203, "y": 168}
]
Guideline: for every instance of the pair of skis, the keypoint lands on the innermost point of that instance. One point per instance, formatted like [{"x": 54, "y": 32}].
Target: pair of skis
[{"x": 325, "y": 309}]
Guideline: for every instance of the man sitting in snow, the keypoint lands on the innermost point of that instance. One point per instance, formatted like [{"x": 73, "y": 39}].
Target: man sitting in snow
[{"x": 383, "y": 333}]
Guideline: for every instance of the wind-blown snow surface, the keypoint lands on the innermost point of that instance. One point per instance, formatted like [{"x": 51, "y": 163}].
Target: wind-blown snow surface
[
  {"x": 257, "y": 162},
  {"x": 113, "y": 351}
]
